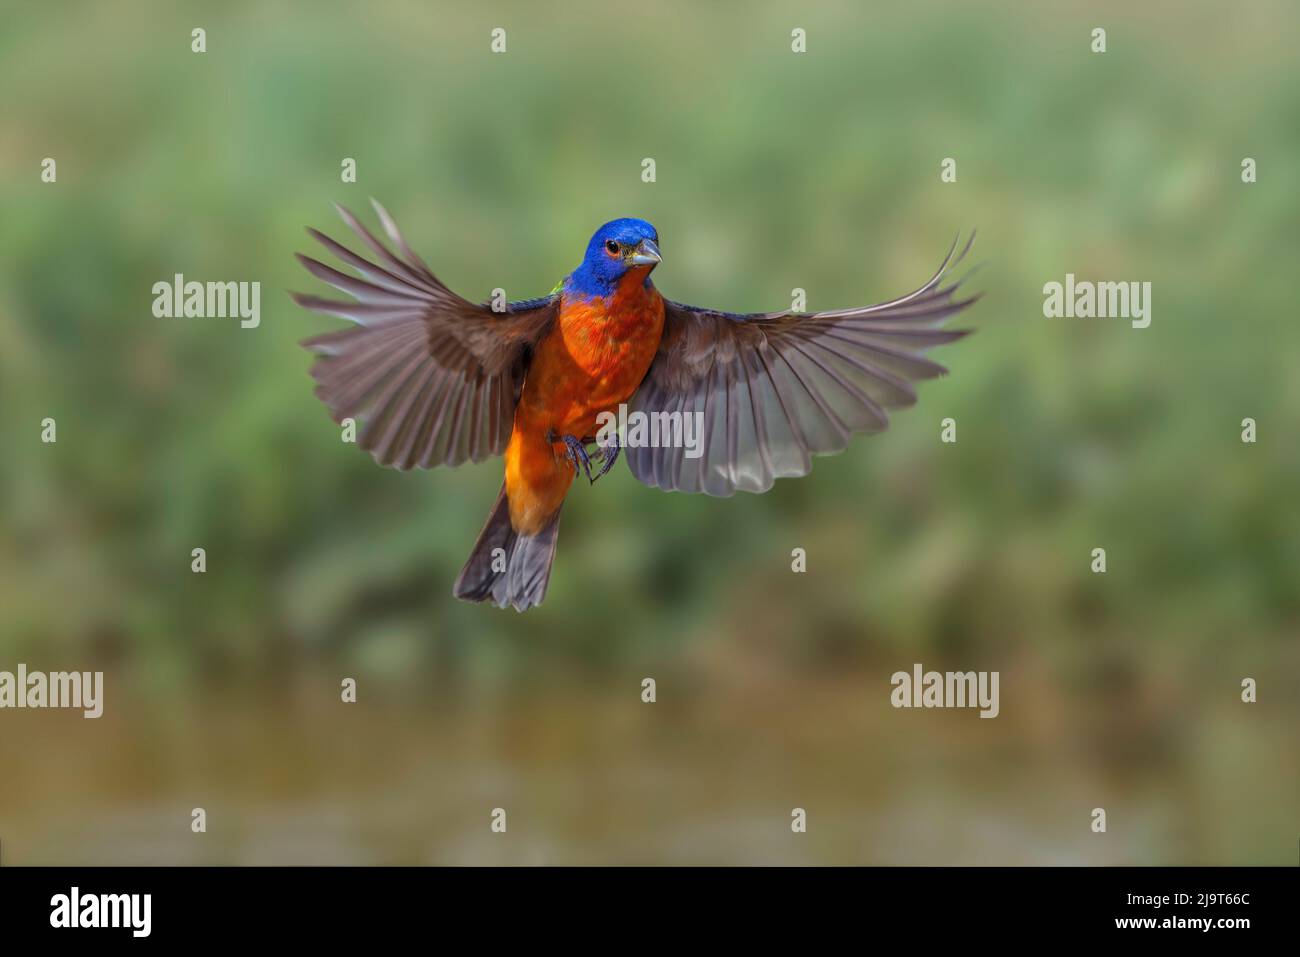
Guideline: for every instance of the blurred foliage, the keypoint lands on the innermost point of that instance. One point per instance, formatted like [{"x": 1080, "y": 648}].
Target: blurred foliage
[{"x": 775, "y": 170}]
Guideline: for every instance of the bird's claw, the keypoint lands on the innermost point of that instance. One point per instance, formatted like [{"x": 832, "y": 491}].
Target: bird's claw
[
  {"x": 575, "y": 452},
  {"x": 608, "y": 456}
]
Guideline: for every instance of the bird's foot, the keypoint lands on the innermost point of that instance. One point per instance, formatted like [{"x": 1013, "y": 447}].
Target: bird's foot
[
  {"x": 608, "y": 456},
  {"x": 575, "y": 452}
]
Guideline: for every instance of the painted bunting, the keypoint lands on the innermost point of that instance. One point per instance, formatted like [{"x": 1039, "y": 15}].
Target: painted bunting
[{"x": 433, "y": 379}]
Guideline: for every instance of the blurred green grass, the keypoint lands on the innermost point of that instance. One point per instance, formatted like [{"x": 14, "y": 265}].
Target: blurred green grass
[{"x": 774, "y": 171}]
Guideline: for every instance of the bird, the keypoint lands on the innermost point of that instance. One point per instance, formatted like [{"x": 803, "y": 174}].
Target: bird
[{"x": 432, "y": 379}]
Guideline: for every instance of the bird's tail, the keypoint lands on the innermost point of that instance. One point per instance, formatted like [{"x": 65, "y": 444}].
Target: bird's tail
[{"x": 506, "y": 567}]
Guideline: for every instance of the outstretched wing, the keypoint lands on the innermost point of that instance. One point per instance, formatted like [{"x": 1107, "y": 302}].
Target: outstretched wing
[
  {"x": 430, "y": 378},
  {"x": 771, "y": 390}
]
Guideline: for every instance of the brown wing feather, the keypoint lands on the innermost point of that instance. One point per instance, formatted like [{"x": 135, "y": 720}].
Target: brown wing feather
[
  {"x": 430, "y": 378},
  {"x": 774, "y": 389}
]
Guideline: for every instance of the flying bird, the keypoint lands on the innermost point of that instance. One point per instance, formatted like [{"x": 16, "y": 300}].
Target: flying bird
[{"x": 433, "y": 379}]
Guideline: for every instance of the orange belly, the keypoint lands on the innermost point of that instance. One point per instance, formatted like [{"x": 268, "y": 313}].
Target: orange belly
[{"x": 592, "y": 360}]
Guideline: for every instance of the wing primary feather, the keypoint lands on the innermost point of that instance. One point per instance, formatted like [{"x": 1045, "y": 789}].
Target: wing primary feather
[
  {"x": 377, "y": 274},
  {"x": 395, "y": 235},
  {"x": 360, "y": 288},
  {"x": 379, "y": 249}
]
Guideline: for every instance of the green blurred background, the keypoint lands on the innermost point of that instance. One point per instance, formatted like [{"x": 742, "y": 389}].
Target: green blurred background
[{"x": 775, "y": 170}]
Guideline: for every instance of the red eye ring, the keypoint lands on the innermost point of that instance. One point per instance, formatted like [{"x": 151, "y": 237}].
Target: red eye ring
[{"x": 611, "y": 247}]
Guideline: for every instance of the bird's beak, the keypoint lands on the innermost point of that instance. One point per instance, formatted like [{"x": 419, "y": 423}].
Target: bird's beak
[{"x": 645, "y": 254}]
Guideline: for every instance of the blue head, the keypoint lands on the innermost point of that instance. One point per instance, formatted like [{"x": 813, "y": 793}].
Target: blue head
[{"x": 617, "y": 247}]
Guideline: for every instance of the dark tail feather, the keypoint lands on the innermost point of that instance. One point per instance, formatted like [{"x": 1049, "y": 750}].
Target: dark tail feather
[{"x": 526, "y": 559}]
